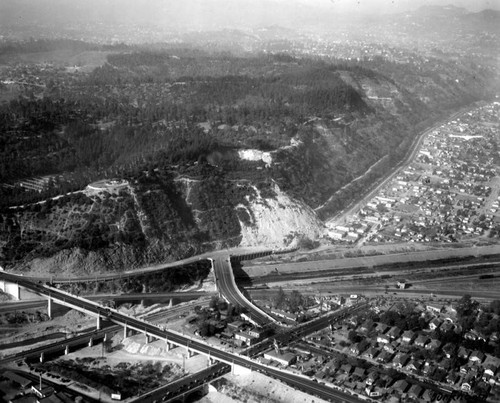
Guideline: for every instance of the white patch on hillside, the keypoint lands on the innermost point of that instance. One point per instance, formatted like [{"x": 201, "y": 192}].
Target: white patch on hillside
[
  {"x": 256, "y": 155},
  {"x": 275, "y": 219},
  {"x": 265, "y": 156}
]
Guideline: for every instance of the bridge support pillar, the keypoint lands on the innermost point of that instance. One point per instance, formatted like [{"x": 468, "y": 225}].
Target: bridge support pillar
[
  {"x": 149, "y": 338},
  {"x": 169, "y": 346},
  {"x": 212, "y": 361},
  {"x": 170, "y": 302},
  {"x": 42, "y": 357},
  {"x": 66, "y": 350},
  {"x": 125, "y": 331},
  {"x": 91, "y": 342},
  {"x": 98, "y": 324},
  {"x": 190, "y": 353},
  {"x": 49, "y": 308}
]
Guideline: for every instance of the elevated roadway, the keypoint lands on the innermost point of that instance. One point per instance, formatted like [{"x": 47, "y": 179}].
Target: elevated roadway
[{"x": 192, "y": 345}]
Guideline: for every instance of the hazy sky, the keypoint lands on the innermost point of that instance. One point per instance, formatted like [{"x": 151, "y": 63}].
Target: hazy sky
[
  {"x": 388, "y": 6},
  {"x": 207, "y": 13}
]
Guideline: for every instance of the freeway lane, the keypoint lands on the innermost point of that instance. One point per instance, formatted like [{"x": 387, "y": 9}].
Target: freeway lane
[
  {"x": 309, "y": 386},
  {"x": 227, "y": 287}
]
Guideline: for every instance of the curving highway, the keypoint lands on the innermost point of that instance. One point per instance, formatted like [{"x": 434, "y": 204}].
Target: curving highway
[{"x": 224, "y": 279}]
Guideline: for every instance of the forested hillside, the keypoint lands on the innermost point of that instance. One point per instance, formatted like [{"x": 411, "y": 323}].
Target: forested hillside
[{"x": 172, "y": 123}]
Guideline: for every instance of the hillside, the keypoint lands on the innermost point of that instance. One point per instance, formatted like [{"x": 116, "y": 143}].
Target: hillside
[{"x": 210, "y": 151}]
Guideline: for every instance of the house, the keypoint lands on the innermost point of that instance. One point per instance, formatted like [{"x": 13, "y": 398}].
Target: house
[
  {"x": 383, "y": 339},
  {"x": 415, "y": 391},
  {"x": 381, "y": 328},
  {"x": 371, "y": 352},
  {"x": 447, "y": 327},
  {"x": 463, "y": 352},
  {"x": 467, "y": 383},
  {"x": 421, "y": 340},
  {"x": 236, "y": 325},
  {"x": 434, "y": 324},
  {"x": 470, "y": 336},
  {"x": 401, "y": 386},
  {"x": 400, "y": 360},
  {"x": 482, "y": 389},
  {"x": 42, "y": 391},
  {"x": 285, "y": 315},
  {"x": 246, "y": 338},
  {"x": 394, "y": 332},
  {"x": 414, "y": 365},
  {"x": 408, "y": 336},
  {"x": 490, "y": 369},
  {"x": 444, "y": 364},
  {"x": 402, "y": 284},
  {"x": 428, "y": 368},
  {"x": 429, "y": 395},
  {"x": 449, "y": 349},
  {"x": 477, "y": 356},
  {"x": 390, "y": 347},
  {"x": 358, "y": 348},
  {"x": 346, "y": 369},
  {"x": 366, "y": 327},
  {"x": 452, "y": 378},
  {"x": 385, "y": 357},
  {"x": 359, "y": 372},
  {"x": 372, "y": 377},
  {"x": 434, "y": 308},
  {"x": 20, "y": 380},
  {"x": 433, "y": 345}
]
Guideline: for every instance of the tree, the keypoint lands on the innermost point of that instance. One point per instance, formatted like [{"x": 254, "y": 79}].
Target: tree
[
  {"x": 466, "y": 306},
  {"x": 296, "y": 301},
  {"x": 280, "y": 299}
]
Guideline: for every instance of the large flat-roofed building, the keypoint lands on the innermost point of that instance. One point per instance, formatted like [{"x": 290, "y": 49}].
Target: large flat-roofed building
[{"x": 282, "y": 358}]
